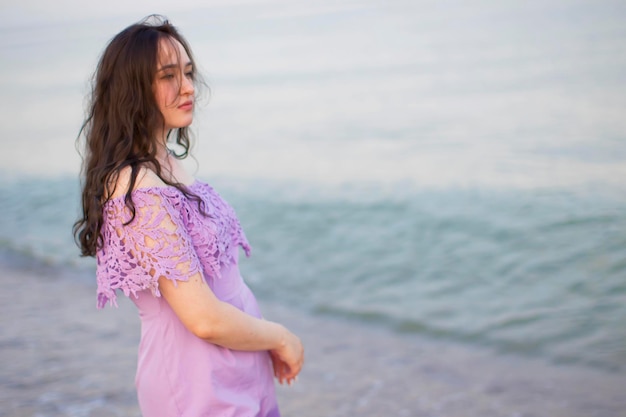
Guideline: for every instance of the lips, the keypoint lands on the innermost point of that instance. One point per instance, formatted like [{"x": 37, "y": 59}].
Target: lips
[{"x": 187, "y": 105}]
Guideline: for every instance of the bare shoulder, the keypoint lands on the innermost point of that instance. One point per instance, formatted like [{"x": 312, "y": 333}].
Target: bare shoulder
[{"x": 145, "y": 178}]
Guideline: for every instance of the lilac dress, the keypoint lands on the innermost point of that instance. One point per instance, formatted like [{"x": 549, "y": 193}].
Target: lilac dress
[{"x": 179, "y": 374}]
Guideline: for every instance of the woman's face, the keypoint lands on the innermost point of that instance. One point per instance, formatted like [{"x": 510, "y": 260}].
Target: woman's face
[{"x": 173, "y": 85}]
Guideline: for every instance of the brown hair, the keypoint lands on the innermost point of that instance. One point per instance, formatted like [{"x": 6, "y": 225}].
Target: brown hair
[{"x": 121, "y": 121}]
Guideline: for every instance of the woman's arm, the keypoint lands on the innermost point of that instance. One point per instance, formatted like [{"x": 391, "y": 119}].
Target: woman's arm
[{"x": 220, "y": 323}]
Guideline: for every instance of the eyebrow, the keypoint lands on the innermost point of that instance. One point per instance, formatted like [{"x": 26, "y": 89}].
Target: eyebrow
[{"x": 169, "y": 66}]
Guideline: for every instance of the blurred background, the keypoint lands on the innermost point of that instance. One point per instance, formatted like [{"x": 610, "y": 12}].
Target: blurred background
[{"x": 442, "y": 168}]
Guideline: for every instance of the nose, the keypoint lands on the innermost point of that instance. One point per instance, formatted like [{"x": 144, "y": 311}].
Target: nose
[{"x": 186, "y": 87}]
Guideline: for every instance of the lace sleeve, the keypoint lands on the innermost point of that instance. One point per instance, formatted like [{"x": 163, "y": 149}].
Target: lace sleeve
[{"x": 155, "y": 244}]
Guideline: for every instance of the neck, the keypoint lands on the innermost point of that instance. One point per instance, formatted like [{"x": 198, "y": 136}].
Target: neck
[{"x": 162, "y": 150}]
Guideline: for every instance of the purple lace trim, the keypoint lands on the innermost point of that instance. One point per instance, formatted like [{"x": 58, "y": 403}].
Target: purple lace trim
[{"x": 169, "y": 237}]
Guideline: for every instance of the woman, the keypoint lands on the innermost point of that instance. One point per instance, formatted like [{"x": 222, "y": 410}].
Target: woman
[{"x": 170, "y": 242}]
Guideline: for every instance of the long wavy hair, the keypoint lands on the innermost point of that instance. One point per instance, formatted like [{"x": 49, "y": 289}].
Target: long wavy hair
[{"x": 121, "y": 122}]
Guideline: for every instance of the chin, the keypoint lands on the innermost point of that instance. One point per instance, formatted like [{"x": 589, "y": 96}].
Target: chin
[{"x": 181, "y": 125}]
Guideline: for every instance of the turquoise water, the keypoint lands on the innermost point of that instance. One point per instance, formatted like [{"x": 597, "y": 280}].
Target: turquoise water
[
  {"x": 538, "y": 273},
  {"x": 445, "y": 169}
]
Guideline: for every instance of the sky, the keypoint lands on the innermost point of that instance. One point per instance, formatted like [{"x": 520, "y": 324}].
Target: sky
[
  {"x": 43, "y": 11},
  {"x": 513, "y": 92}
]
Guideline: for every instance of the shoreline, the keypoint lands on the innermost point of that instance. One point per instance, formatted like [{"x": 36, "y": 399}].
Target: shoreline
[{"x": 63, "y": 357}]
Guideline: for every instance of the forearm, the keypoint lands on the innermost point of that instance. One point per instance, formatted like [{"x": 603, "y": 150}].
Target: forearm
[
  {"x": 222, "y": 324},
  {"x": 231, "y": 328},
  {"x": 218, "y": 322}
]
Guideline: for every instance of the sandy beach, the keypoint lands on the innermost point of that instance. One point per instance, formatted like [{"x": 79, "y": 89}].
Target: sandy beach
[{"x": 62, "y": 357}]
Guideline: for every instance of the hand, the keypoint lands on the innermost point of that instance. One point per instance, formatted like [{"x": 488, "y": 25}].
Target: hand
[{"x": 288, "y": 359}]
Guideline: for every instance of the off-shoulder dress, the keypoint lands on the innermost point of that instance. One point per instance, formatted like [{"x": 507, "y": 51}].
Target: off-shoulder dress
[{"x": 179, "y": 374}]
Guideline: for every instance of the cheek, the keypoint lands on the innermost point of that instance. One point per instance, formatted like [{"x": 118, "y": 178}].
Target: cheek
[
  {"x": 166, "y": 96},
  {"x": 161, "y": 95}
]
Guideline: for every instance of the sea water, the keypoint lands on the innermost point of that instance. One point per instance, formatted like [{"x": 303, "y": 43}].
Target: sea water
[{"x": 453, "y": 171}]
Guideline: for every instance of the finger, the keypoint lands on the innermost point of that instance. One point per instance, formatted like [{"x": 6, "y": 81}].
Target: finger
[
  {"x": 276, "y": 369},
  {"x": 290, "y": 373},
  {"x": 282, "y": 370}
]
